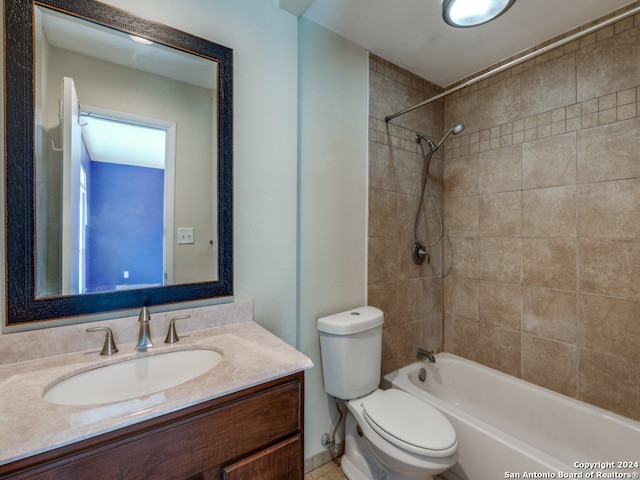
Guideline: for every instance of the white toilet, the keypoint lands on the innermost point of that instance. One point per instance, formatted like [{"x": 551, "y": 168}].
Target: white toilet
[{"x": 390, "y": 434}]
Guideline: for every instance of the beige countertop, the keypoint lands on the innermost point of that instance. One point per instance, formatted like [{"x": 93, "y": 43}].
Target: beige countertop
[{"x": 251, "y": 355}]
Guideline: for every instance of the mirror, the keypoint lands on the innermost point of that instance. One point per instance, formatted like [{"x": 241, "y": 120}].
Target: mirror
[{"x": 96, "y": 222}]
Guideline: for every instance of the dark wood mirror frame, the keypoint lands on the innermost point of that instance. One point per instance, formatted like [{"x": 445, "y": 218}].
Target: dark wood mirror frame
[{"x": 22, "y": 305}]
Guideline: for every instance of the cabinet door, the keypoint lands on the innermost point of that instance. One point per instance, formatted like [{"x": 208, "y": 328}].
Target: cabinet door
[{"x": 280, "y": 462}]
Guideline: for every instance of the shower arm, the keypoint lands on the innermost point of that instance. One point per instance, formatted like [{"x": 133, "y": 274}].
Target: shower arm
[{"x": 518, "y": 61}]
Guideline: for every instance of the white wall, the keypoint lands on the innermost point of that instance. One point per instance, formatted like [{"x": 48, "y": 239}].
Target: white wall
[{"x": 332, "y": 198}]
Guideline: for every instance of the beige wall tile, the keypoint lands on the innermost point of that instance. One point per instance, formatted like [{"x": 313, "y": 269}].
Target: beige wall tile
[
  {"x": 410, "y": 301},
  {"x": 550, "y": 364},
  {"x": 610, "y": 267},
  {"x": 407, "y": 208},
  {"x": 382, "y": 264},
  {"x": 500, "y": 170},
  {"x": 410, "y": 171},
  {"x": 433, "y": 333},
  {"x": 549, "y": 85},
  {"x": 500, "y": 214},
  {"x": 549, "y": 212},
  {"x": 461, "y": 337},
  {"x": 610, "y": 382},
  {"x": 461, "y": 216},
  {"x": 610, "y": 325},
  {"x": 609, "y": 66},
  {"x": 549, "y": 162},
  {"x": 500, "y": 304},
  {"x": 383, "y": 206},
  {"x": 609, "y": 152},
  {"x": 432, "y": 296},
  {"x": 550, "y": 262},
  {"x": 499, "y": 348},
  {"x": 385, "y": 297},
  {"x": 500, "y": 259},
  {"x": 499, "y": 102},
  {"x": 461, "y": 297},
  {"x": 382, "y": 167},
  {"x": 610, "y": 209},
  {"x": 463, "y": 109},
  {"x": 461, "y": 256},
  {"x": 550, "y": 314},
  {"x": 461, "y": 176},
  {"x": 402, "y": 341}
]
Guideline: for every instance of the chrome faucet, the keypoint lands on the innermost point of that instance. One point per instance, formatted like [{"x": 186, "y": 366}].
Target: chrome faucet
[
  {"x": 144, "y": 337},
  {"x": 423, "y": 354}
]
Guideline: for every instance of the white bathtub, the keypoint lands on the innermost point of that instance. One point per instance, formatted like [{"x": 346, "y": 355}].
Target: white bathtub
[{"x": 509, "y": 428}]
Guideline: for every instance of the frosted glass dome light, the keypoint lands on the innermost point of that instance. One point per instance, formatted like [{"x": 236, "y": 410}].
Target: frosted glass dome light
[{"x": 469, "y": 13}]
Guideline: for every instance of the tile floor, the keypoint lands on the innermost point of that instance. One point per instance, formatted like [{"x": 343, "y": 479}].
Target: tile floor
[{"x": 328, "y": 471}]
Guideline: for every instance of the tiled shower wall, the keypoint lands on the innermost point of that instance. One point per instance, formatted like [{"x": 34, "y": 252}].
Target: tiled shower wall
[
  {"x": 542, "y": 214},
  {"x": 410, "y": 295},
  {"x": 539, "y": 271}
]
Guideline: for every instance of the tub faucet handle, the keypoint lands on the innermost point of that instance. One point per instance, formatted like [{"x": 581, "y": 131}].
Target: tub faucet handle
[
  {"x": 172, "y": 335},
  {"x": 109, "y": 347}
]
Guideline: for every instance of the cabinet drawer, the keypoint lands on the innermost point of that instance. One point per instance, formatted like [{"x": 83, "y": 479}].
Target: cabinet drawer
[{"x": 280, "y": 462}]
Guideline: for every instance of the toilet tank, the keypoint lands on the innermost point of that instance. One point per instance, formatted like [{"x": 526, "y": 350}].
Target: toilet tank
[{"x": 351, "y": 349}]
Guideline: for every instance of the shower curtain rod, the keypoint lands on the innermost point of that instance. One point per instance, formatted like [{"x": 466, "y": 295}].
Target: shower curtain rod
[{"x": 517, "y": 61}]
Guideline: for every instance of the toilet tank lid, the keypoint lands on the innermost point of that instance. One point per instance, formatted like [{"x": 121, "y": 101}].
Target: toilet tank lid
[{"x": 352, "y": 321}]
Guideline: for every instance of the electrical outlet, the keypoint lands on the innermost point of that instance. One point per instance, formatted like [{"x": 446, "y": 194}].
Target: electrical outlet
[{"x": 185, "y": 235}]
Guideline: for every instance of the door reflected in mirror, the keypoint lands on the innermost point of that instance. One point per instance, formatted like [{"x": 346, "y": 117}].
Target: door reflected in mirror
[{"x": 123, "y": 159}]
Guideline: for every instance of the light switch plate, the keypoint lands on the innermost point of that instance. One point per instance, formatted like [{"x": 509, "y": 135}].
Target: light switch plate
[{"x": 185, "y": 235}]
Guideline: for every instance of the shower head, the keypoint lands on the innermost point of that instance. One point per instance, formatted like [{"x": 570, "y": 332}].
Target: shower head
[{"x": 456, "y": 129}]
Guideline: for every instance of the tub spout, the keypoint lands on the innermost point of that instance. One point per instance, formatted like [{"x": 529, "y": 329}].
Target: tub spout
[{"x": 423, "y": 354}]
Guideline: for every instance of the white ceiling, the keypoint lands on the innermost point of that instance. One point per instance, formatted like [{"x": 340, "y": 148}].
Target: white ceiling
[
  {"x": 412, "y": 34},
  {"x": 93, "y": 40}
]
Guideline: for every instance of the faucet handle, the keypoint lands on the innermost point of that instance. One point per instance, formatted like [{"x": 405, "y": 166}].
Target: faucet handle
[
  {"x": 172, "y": 335},
  {"x": 109, "y": 347}
]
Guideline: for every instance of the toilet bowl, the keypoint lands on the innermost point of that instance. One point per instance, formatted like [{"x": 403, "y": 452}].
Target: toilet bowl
[
  {"x": 390, "y": 434},
  {"x": 394, "y": 435}
]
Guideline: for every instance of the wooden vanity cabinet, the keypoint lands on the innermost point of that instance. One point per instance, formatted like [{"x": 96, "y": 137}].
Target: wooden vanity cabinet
[{"x": 254, "y": 434}]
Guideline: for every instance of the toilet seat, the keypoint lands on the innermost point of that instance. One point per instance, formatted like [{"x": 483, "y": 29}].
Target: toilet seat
[{"x": 410, "y": 423}]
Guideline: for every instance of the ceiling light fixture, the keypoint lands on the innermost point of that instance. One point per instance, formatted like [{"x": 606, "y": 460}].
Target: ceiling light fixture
[
  {"x": 141, "y": 40},
  {"x": 469, "y": 13}
]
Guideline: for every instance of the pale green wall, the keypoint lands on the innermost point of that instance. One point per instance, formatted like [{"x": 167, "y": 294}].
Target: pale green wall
[{"x": 332, "y": 198}]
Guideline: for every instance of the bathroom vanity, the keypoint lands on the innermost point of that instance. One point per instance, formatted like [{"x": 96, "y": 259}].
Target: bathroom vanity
[
  {"x": 243, "y": 419},
  {"x": 252, "y": 434}
]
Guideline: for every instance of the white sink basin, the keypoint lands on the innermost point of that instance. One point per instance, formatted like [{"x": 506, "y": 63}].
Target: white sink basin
[{"x": 132, "y": 378}]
